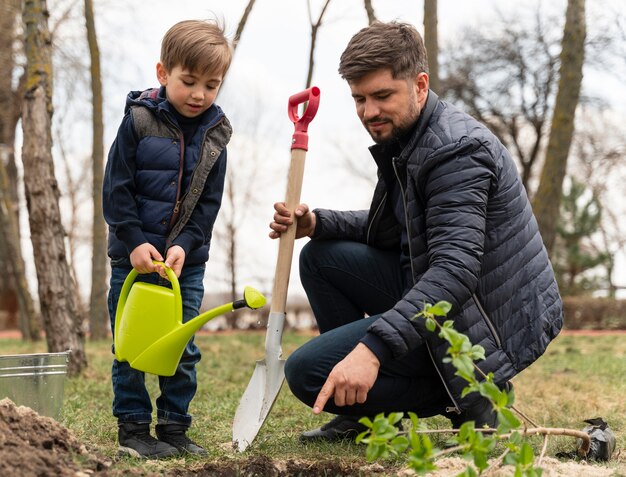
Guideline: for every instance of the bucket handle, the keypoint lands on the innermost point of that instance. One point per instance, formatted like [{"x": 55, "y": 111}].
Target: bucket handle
[{"x": 128, "y": 283}]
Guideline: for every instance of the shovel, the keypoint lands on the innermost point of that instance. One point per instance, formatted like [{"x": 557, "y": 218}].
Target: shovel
[{"x": 269, "y": 373}]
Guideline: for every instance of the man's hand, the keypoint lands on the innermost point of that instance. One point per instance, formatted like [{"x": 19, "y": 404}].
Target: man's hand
[
  {"x": 175, "y": 260},
  {"x": 141, "y": 258},
  {"x": 350, "y": 380},
  {"x": 282, "y": 220}
]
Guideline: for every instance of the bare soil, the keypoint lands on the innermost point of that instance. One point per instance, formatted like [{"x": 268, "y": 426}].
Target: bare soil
[{"x": 37, "y": 446}]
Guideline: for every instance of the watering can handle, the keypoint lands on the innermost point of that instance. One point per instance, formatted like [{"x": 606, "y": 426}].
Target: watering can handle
[{"x": 128, "y": 283}]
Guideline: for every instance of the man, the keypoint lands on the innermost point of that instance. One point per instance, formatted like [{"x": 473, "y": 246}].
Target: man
[{"x": 449, "y": 220}]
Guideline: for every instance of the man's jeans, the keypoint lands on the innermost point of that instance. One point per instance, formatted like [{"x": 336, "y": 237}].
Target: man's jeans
[
  {"x": 346, "y": 281},
  {"x": 131, "y": 402}
]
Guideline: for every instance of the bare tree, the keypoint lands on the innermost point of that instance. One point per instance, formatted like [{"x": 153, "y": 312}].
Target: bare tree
[
  {"x": 597, "y": 151},
  {"x": 57, "y": 290},
  {"x": 369, "y": 9},
  {"x": 432, "y": 44},
  {"x": 242, "y": 22},
  {"x": 13, "y": 283},
  {"x": 507, "y": 79},
  {"x": 240, "y": 27},
  {"x": 98, "y": 311},
  {"x": 243, "y": 187},
  {"x": 29, "y": 318},
  {"x": 548, "y": 198},
  {"x": 315, "y": 26}
]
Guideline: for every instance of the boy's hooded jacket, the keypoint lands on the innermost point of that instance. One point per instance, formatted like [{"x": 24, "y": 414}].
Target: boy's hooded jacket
[
  {"x": 471, "y": 239},
  {"x": 159, "y": 190}
]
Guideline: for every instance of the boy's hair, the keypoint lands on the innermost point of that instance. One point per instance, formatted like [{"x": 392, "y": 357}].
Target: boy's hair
[
  {"x": 197, "y": 46},
  {"x": 394, "y": 45}
]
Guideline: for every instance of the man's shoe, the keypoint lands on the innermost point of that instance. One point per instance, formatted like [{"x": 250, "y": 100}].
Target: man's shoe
[
  {"x": 175, "y": 435},
  {"x": 481, "y": 413},
  {"x": 341, "y": 427},
  {"x": 135, "y": 440}
]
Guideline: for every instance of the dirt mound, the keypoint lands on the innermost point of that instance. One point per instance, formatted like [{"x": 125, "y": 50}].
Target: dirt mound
[{"x": 34, "y": 445}]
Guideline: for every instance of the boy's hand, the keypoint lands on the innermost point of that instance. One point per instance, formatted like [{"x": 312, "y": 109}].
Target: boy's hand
[
  {"x": 175, "y": 260},
  {"x": 282, "y": 220},
  {"x": 141, "y": 258}
]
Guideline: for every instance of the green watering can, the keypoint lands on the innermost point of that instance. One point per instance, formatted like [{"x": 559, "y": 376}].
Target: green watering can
[{"x": 149, "y": 329}]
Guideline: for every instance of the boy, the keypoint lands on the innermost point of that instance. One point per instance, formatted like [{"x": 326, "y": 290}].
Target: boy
[{"x": 162, "y": 191}]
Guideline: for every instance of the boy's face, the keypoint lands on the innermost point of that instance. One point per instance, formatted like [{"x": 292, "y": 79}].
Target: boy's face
[{"x": 189, "y": 92}]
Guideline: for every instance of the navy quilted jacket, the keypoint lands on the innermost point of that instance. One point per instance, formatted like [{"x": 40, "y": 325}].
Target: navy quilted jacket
[
  {"x": 473, "y": 241},
  {"x": 159, "y": 190}
]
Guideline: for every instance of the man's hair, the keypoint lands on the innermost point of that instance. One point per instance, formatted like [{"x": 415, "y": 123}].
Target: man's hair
[
  {"x": 197, "y": 46},
  {"x": 394, "y": 45}
]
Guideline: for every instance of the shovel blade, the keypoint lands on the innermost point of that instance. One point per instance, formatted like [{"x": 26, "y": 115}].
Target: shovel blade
[{"x": 257, "y": 401}]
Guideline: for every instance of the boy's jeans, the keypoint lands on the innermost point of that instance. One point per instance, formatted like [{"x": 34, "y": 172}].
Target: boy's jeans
[{"x": 131, "y": 402}]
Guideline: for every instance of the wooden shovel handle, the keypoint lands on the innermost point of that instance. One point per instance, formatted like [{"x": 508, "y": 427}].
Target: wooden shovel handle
[
  {"x": 287, "y": 239},
  {"x": 299, "y": 146}
]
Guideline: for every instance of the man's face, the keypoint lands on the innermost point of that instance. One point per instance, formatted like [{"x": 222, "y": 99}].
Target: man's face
[
  {"x": 189, "y": 92},
  {"x": 388, "y": 107}
]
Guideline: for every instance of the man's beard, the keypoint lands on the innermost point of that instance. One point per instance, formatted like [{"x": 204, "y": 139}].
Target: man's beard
[{"x": 401, "y": 130}]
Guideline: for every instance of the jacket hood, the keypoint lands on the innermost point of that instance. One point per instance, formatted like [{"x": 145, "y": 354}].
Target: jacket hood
[{"x": 150, "y": 98}]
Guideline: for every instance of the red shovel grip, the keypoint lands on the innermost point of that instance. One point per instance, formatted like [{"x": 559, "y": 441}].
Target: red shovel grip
[{"x": 300, "y": 139}]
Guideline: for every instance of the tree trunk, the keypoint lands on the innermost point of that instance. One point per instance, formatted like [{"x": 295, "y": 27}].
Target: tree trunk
[
  {"x": 98, "y": 312},
  {"x": 431, "y": 43},
  {"x": 29, "y": 318},
  {"x": 548, "y": 197},
  {"x": 57, "y": 291},
  {"x": 242, "y": 22},
  {"x": 314, "y": 29},
  {"x": 14, "y": 282},
  {"x": 369, "y": 9}
]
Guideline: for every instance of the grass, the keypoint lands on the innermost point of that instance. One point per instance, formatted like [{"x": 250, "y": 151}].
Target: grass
[{"x": 580, "y": 377}]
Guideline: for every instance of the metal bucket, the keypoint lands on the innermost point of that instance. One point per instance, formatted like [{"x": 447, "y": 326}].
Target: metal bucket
[{"x": 35, "y": 380}]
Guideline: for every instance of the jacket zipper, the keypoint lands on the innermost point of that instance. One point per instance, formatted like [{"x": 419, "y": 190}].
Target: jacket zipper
[
  {"x": 179, "y": 200},
  {"x": 179, "y": 184},
  {"x": 456, "y": 407},
  {"x": 408, "y": 236},
  {"x": 483, "y": 313},
  {"x": 406, "y": 218},
  {"x": 369, "y": 228}
]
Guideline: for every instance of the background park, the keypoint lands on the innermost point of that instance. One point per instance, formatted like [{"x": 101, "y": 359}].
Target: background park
[{"x": 544, "y": 76}]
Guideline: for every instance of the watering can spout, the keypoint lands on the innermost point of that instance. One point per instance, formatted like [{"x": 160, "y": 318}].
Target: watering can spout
[{"x": 149, "y": 332}]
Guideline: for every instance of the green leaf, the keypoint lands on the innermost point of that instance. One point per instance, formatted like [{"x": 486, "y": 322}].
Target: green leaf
[
  {"x": 526, "y": 454},
  {"x": 361, "y": 437},
  {"x": 430, "y": 324},
  {"x": 507, "y": 420},
  {"x": 478, "y": 353},
  {"x": 492, "y": 392},
  {"x": 367, "y": 422},
  {"x": 441, "y": 308},
  {"x": 399, "y": 444},
  {"x": 395, "y": 417}
]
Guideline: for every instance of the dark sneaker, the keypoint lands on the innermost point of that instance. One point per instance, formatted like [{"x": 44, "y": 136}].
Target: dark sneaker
[
  {"x": 341, "y": 427},
  {"x": 135, "y": 440},
  {"x": 175, "y": 435}
]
